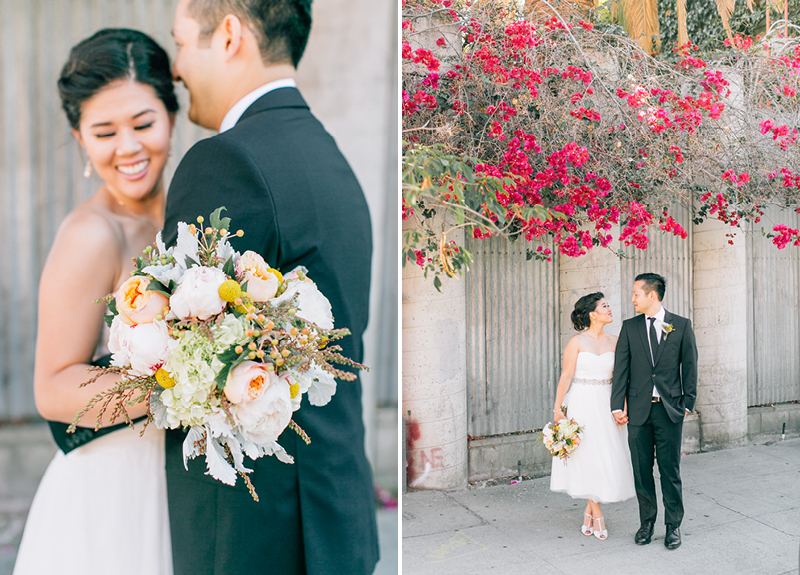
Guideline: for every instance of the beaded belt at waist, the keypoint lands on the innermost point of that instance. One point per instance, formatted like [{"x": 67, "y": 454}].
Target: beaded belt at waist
[{"x": 591, "y": 381}]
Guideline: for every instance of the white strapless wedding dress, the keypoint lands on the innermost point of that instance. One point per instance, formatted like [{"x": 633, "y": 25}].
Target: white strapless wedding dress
[
  {"x": 600, "y": 468},
  {"x": 100, "y": 509}
]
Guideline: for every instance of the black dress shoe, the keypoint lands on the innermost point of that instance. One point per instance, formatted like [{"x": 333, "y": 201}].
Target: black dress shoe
[
  {"x": 673, "y": 537},
  {"x": 644, "y": 534}
]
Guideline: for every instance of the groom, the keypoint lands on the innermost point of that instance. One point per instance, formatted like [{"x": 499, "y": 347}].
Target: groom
[
  {"x": 654, "y": 386},
  {"x": 285, "y": 183}
]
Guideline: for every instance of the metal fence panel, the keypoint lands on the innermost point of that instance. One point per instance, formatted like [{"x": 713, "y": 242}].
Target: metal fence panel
[
  {"x": 512, "y": 338},
  {"x": 41, "y": 164},
  {"x": 669, "y": 256},
  {"x": 774, "y": 289}
]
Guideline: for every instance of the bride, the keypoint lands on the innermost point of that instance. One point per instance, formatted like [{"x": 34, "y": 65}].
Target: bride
[
  {"x": 599, "y": 470},
  {"x": 101, "y": 506}
]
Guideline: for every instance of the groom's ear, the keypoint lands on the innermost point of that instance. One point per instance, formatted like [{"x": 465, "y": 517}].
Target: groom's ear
[{"x": 232, "y": 31}]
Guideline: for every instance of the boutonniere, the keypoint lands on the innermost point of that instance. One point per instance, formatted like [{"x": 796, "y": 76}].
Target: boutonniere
[{"x": 667, "y": 329}]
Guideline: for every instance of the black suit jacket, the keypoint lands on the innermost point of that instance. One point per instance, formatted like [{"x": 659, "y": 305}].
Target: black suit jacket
[
  {"x": 674, "y": 373},
  {"x": 284, "y": 182}
]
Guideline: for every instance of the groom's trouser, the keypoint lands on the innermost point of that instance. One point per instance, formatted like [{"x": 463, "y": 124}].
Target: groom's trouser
[{"x": 661, "y": 437}]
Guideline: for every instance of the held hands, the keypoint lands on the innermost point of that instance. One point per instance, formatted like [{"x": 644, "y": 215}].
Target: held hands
[{"x": 621, "y": 417}]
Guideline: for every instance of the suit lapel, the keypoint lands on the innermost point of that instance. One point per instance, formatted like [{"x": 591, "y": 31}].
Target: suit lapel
[
  {"x": 642, "y": 330},
  {"x": 662, "y": 345}
]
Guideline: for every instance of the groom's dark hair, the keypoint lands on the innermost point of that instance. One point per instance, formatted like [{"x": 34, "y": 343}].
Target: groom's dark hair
[
  {"x": 653, "y": 282},
  {"x": 280, "y": 26}
]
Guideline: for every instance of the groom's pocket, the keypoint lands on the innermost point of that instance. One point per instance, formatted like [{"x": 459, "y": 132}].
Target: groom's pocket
[{"x": 676, "y": 392}]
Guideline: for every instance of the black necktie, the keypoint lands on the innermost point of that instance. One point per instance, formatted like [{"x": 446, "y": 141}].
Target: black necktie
[{"x": 653, "y": 338}]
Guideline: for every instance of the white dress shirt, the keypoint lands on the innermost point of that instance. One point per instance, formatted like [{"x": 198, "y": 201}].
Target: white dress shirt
[
  {"x": 233, "y": 115},
  {"x": 659, "y": 335}
]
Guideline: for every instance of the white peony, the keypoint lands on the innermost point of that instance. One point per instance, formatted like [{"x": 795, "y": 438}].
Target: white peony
[
  {"x": 149, "y": 346},
  {"x": 198, "y": 294},
  {"x": 311, "y": 304},
  {"x": 119, "y": 343}
]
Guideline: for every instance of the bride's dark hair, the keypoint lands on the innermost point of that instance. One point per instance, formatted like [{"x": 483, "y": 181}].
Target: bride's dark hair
[
  {"x": 114, "y": 54},
  {"x": 583, "y": 307}
]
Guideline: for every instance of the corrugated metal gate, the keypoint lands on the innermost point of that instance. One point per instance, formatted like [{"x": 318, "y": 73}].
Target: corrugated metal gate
[
  {"x": 774, "y": 317},
  {"x": 512, "y": 338}
]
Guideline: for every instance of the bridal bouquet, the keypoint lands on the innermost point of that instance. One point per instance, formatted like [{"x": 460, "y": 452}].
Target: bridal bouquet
[
  {"x": 220, "y": 344},
  {"x": 562, "y": 438}
]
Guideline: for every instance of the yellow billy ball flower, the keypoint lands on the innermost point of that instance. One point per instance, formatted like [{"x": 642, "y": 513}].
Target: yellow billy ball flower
[
  {"x": 230, "y": 290},
  {"x": 164, "y": 378},
  {"x": 278, "y": 275},
  {"x": 294, "y": 389}
]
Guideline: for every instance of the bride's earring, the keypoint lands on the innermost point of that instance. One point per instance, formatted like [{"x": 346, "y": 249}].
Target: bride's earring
[{"x": 87, "y": 171}]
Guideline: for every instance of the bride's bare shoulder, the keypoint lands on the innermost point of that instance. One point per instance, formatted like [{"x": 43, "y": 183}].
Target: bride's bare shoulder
[
  {"x": 575, "y": 343},
  {"x": 88, "y": 241},
  {"x": 92, "y": 226}
]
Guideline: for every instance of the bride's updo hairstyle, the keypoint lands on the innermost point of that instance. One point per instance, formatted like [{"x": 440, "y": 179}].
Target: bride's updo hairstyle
[
  {"x": 114, "y": 54},
  {"x": 583, "y": 307}
]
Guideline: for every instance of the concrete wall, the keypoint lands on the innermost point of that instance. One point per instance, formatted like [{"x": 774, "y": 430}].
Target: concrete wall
[
  {"x": 598, "y": 270},
  {"x": 434, "y": 379},
  {"x": 720, "y": 325}
]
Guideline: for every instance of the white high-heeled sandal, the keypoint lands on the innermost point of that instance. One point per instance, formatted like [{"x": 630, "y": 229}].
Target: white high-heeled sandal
[
  {"x": 602, "y": 535},
  {"x": 587, "y": 529}
]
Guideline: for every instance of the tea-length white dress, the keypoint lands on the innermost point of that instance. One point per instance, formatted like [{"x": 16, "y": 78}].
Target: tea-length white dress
[
  {"x": 600, "y": 467},
  {"x": 100, "y": 509}
]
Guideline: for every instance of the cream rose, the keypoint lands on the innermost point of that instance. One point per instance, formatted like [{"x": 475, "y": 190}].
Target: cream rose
[
  {"x": 198, "y": 294},
  {"x": 248, "y": 381},
  {"x": 262, "y": 282},
  {"x": 263, "y": 419},
  {"x": 137, "y": 305}
]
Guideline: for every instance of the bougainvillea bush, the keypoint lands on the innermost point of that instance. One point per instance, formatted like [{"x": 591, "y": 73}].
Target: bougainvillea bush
[{"x": 540, "y": 128}]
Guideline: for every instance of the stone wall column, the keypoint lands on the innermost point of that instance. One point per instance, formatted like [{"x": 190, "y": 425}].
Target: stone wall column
[
  {"x": 720, "y": 324},
  {"x": 435, "y": 379}
]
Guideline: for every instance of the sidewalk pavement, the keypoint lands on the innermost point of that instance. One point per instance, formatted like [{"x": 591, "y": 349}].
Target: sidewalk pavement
[{"x": 742, "y": 517}]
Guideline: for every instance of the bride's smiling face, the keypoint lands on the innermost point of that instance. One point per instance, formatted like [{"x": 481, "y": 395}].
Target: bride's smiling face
[
  {"x": 602, "y": 313},
  {"x": 125, "y": 129}
]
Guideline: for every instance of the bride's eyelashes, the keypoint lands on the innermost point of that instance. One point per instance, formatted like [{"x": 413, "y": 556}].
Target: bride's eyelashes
[{"x": 143, "y": 127}]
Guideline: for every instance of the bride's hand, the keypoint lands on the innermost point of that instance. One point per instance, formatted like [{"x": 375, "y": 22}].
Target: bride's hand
[
  {"x": 621, "y": 417},
  {"x": 558, "y": 415}
]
